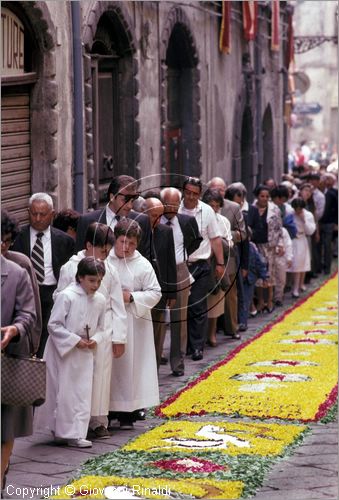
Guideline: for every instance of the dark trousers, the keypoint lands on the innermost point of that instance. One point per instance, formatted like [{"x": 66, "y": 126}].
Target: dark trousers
[
  {"x": 248, "y": 297},
  {"x": 197, "y": 321},
  {"x": 46, "y": 301},
  {"x": 325, "y": 244},
  {"x": 315, "y": 256},
  {"x": 242, "y": 312},
  {"x": 159, "y": 332}
]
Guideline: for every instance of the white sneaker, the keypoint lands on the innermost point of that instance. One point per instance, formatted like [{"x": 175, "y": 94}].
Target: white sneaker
[{"x": 79, "y": 443}]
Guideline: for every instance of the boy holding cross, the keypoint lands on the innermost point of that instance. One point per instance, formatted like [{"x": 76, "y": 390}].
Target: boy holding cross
[{"x": 76, "y": 327}]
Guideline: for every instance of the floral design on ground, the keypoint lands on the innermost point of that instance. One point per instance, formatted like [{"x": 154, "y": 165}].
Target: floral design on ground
[
  {"x": 100, "y": 487},
  {"x": 192, "y": 464},
  {"x": 309, "y": 386},
  {"x": 232, "y": 438}
]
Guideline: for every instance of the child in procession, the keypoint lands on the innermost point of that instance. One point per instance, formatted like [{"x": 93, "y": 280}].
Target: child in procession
[
  {"x": 134, "y": 382},
  {"x": 76, "y": 327},
  {"x": 99, "y": 242}
]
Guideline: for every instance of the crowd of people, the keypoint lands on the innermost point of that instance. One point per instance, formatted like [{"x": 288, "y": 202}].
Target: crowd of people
[{"x": 96, "y": 292}]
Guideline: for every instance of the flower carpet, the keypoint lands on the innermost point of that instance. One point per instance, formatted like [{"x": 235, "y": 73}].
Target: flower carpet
[
  {"x": 288, "y": 371},
  {"x": 273, "y": 384}
]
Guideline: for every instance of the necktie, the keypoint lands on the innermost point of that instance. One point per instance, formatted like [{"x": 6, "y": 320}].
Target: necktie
[
  {"x": 37, "y": 258},
  {"x": 117, "y": 217},
  {"x": 168, "y": 223}
]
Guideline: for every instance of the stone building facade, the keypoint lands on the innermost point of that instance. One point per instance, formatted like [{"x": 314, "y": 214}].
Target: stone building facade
[
  {"x": 318, "y": 20},
  {"x": 140, "y": 88}
]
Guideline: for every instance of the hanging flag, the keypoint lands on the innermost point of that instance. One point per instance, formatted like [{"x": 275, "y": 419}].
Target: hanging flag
[
  {"x": 249, "y": 14},
  {"x": 225, "y": 31},
  {"x": 290, "y": 41},
  {"x": 275, "y": 25}
]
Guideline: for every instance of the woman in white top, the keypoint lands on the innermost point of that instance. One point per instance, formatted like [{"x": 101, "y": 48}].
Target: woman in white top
[{"x": 304, "y": 220}]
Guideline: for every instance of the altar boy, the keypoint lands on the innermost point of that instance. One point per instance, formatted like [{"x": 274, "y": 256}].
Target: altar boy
[{"x": 75, "y": 328}]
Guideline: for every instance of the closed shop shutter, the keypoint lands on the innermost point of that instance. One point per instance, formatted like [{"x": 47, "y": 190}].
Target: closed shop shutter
[{"x": 15, "y": 153}]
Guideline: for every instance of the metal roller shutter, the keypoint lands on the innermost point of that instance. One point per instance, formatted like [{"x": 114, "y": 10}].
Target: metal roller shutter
[{"x": 15, "y": 154}]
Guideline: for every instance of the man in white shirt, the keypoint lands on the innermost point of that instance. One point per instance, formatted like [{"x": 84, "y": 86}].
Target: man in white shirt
[
  {"x": 186, "y": 240},
  {"x": 199, "y": 264}
]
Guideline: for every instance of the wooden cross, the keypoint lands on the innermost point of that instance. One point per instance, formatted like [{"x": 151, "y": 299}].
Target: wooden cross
[{"x": 87, "y": 328}]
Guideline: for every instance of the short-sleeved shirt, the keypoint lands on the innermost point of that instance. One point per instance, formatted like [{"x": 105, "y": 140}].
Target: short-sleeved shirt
[{"x": 208, "y": 228}]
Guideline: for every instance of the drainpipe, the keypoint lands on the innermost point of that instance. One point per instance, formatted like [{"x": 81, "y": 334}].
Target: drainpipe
[
  {"x": 258, "y": 71},
  {"x": 78, "y": 167}
]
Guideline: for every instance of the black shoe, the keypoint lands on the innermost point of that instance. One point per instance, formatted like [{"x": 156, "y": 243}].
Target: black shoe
[
  {"x": 163, "y": 360},
  {"x": 242, "y": 327},
  {"x": 178, "y": 373},
  {"x": 235, "y": 335},
  {"x": 140, "y": 414},
  {"x": 197, "y": 355},
  {"x": 278, "y": 303}
]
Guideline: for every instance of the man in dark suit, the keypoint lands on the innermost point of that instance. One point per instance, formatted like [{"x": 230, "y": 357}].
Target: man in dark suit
[
  {"x": 48, "y": 248},
  {"x": 122, "y": 192},
  {"x": 163, "y": 262},
  {"x": 187, "y": 239},
  {"x": 328, "y": 222}
]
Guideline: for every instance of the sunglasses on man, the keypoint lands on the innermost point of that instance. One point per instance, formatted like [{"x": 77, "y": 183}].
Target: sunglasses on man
[{"x": 128, "y": 197}]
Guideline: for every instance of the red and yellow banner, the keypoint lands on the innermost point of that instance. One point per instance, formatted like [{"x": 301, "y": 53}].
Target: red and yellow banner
[
  {"x": 290, "y": 41},
  {"x": 289, "y": 371},
  {"x": 250, "y": 15},
  {"x": 275, "y": 22},
  {"x": 225, "y": 30}
]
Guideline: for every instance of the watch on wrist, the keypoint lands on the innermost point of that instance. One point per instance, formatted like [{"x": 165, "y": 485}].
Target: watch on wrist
[{"x": 131, "y": 299}]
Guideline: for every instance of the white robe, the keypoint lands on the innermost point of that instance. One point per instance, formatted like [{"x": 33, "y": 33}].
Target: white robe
[
  {"x": 301, "y": 247},
  {"x": 134, "y": 382},
  {"x": 115, "y": 328},
  {"x": 67, "y": 409}
]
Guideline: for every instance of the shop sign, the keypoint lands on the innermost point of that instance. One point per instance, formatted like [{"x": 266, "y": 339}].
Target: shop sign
[{"x": 12, "y": 52}]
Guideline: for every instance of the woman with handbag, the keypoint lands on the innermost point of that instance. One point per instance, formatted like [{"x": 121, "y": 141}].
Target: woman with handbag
[
  {"x": 268, "y": 239},
  {"x": 18, "y": 316},
  {"x": 216, "y": 297}
]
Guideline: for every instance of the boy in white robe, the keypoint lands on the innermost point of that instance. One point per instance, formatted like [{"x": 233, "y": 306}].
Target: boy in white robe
[
  {"x": 76, "y": 327},
  {"x": 134, "y": 376},
  {"x": 99, "y": 241}
]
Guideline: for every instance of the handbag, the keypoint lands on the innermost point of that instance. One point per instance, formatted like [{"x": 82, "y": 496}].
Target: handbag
[
  {"x": 23, "y": 379},
  {"x": 215, "y": 284}
]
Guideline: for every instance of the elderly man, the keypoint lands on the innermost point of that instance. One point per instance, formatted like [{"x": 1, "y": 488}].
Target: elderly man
[
  {"x": 48, "y": 248},
  {"x": 163, "y": 262},
  {"x": 232, "y": 211},
  {"x": 199, "y": 265},
  {"x": 187, "y": 239},
  {"x": 121, "y": 194}
]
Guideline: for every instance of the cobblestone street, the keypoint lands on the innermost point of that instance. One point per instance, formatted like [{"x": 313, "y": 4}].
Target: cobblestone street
[{"x": 310, "y": 473}]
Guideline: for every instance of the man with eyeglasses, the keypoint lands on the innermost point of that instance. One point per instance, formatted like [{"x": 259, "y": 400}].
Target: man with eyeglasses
[
  {"x": 121, "y": 194},
  {"x": 199, "y": 265}
]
